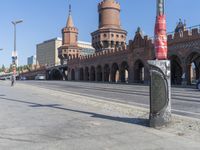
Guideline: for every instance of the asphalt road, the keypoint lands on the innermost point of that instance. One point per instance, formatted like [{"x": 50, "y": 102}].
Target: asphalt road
[{"x": 185, "y": 101}]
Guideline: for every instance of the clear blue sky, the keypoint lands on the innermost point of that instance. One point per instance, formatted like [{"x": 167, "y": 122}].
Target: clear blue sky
[{"x": 44, "y": 19}]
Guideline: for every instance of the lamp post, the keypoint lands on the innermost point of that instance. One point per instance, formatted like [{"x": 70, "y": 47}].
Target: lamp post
[{"x": 14, "y": 53}]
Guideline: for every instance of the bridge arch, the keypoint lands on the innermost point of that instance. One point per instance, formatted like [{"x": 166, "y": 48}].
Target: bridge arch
[
  {"x": 193, "y": 67},
  {"x": 72, "y": 74},
  {"x": 87, "y": 74},
  {"x": 176, "y": 70},
  {"x": 56, "y": 74},
  {"x": 81, "y": 74},
  {"x": 107, "y": 76},
  {"x": 139, "y": 71},
  {"x": 115, "y": 73},
  {"x": 124, "y": 72},
  {"x": 99, "y": 73},
  {"x": 92, "y": 73}
]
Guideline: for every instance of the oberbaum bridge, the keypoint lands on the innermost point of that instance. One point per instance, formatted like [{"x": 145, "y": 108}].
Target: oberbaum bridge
[{"x": 114, "y": 61}]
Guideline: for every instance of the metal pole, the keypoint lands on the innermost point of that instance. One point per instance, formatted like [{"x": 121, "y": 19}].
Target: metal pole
[
  {"x": 14, "y": 57},
  {"x": 160, "y": 72},
  {"x": 14, "y": 39}
]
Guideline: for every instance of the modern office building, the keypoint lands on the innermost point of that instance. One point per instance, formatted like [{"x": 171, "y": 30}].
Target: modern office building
[
  {"x": 31, "y": 60},
  {"x": 47, "y": 52},
  {"x": 85, "y": 48}
]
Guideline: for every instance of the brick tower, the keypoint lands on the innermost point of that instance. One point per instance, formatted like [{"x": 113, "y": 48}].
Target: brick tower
[
  {"x": 110, "y": 35},
  {"x": 69, "y": 48}
]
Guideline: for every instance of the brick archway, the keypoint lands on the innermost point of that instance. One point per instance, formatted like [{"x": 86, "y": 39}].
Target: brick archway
[
  {"x": 72, "y": 74},
  {"x": 56, "y": 74},
  {"x": 106, "y": 73},
  {"x": 92, "y": 74},
  {"x": 139, "y": 71},
  {"x": 99, "y": 73},
  {"x": 115, "y": 73},
  {"x": 87, "y": 74},
  {"x": 193, "y": 67},
  {"x": 176, "y": 70},
  {"x": 81, "y": 74},
  {"x": 124, "y": 72}
]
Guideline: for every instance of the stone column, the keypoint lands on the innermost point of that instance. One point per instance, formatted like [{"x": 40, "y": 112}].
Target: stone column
[{"x": 160, "y": 93}]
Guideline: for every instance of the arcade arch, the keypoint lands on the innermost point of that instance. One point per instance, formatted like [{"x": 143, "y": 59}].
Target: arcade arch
[
  {"x": 139, "y": 72},
  {"x": 115, "y": 73},
  {"x": 124, "y": 73},
  {"x": 176, "y": 70}
]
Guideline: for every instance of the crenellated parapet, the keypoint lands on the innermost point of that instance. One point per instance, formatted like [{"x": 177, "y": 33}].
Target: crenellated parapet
[
  {"x": 96, "y": 55},
  {"x": 187, "y": 35},
  {"x": 140, "y": 42},
  {"x": 70, "y": 29},
  {"x": 109, "y": 34},
  {"x": 108, "y": 3}
]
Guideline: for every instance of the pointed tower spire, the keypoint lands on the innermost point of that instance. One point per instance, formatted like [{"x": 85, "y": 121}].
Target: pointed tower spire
[
  {"x": 69, "y": 46},
  {"x": 70, "y": 9},
  {"x": 70, "y": 20}
]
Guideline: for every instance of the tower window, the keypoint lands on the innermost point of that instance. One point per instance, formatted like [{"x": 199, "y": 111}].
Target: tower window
[
  {"x": 117, "y": 35},
  {"x": 104, "y": 35},
  {"x": 99, "y": 19}
]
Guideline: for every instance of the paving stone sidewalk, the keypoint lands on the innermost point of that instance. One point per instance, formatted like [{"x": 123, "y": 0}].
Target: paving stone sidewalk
[{"x": 40, "y": 119}]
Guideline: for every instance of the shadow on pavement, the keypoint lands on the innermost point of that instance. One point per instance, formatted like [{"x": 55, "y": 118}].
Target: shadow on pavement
[{"x": 137, "y": 121}]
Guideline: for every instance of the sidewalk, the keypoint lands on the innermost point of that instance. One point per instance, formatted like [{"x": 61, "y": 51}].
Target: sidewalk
[{"x": 40, "y": 119}]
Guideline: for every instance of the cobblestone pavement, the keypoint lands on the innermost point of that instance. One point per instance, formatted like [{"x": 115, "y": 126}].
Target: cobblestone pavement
[{"x": 35, "y": 118}]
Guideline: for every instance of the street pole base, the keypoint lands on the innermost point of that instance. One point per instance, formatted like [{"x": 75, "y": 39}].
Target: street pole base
[
  {"x": 160, "y": 93},
  {"x": 160, "y": 120}
]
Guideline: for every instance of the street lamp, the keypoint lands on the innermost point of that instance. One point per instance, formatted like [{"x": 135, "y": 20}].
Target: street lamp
[{"x": 14, "y": 54}]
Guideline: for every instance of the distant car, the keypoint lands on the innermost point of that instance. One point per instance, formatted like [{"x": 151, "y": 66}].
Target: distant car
[
  {"x": 23, "y": 78},
  {"x": 2, "y": 78},
  {"x": 40, "y": 77},
  {"x": 198, "y": 85}
]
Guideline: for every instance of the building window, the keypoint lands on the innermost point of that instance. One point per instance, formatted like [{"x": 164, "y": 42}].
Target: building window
[
  {"x": 117, "y": 35},
  {"x": 99, "y": 19},
  {"x": 105, "y": 35}
]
